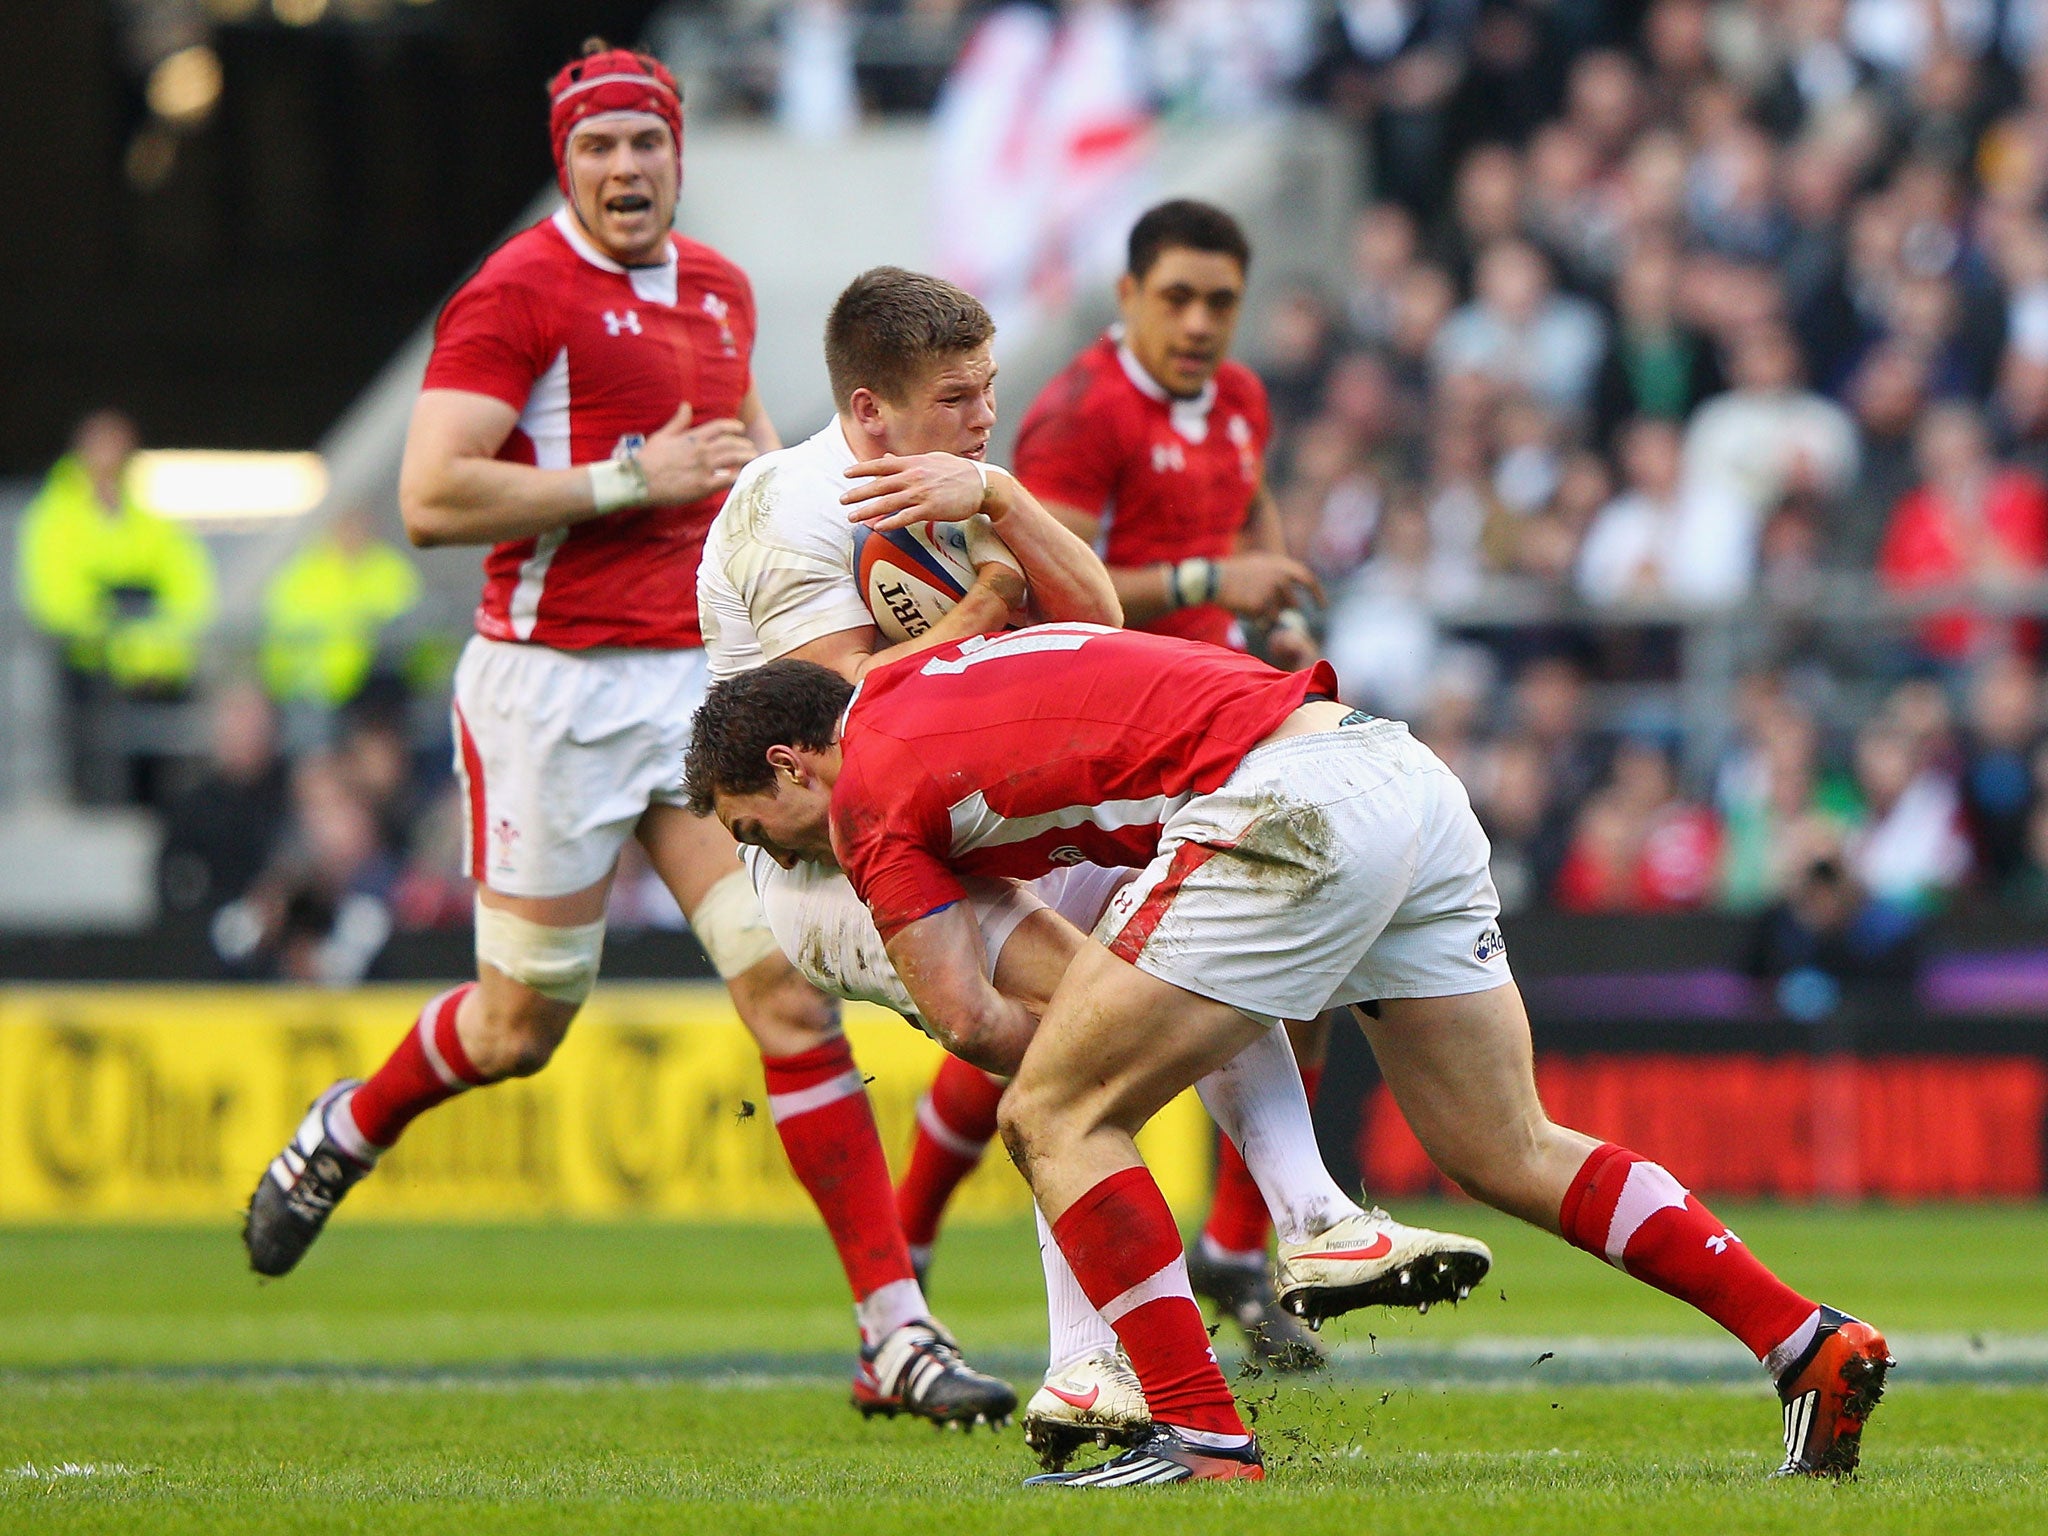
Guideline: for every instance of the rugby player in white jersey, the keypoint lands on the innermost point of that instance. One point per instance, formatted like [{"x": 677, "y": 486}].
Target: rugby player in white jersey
[
  {"x": 588, "y": 404},
  {"x": 913, "y": 378}
]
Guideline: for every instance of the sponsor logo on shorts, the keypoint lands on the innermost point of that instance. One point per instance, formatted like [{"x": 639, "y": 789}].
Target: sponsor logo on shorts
[
  {"x": 1067, "y": 853},
  {"x": 1491, "y": 945}
]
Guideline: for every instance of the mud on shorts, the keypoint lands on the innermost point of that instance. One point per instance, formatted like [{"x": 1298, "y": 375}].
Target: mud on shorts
[
  {"x": 560, "y": 752},
  {"x": 1331, "y": 868}
]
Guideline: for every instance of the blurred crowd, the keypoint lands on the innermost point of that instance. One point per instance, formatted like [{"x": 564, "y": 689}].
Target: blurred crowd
[
  {"x": 1654, "y": 311},
  {"x": 1664, "y": 311}
]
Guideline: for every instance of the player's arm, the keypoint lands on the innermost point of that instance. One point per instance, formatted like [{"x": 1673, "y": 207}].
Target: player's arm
[
  {"x": 1257, "y": 582},
  {"x": 1288, "y": 643},
  {"x": 985, "y": 608},
  {"x": 453, "y": 489},
  {"x": 1067, "y": 582},
  {"x": 945, "y": 969},
  {"x": 754, "y": 420}
]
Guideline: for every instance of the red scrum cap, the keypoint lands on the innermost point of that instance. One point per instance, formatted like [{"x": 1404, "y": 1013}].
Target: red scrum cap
[{"x": 609, "y": 80}]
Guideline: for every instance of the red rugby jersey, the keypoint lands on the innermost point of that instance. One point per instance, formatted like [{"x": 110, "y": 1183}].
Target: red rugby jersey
[
  {"x": 1013, "y": 754},
  {"x": 594, "y": 357},
  {"x": 1172, "y": 479}
]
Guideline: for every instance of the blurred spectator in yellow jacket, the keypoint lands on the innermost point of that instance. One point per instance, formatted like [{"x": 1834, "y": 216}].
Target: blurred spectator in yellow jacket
[
  {"x": 324, "y": 610},
  {"x": 127, "y": 592}
]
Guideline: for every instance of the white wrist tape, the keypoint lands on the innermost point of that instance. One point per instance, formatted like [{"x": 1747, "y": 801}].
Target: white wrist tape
[
  {"x": 558, "y": 963},
  {"x": 729, "y": 924},
  {"x": 1195, "y": 581},
  {"x": 616, "y": 483}
]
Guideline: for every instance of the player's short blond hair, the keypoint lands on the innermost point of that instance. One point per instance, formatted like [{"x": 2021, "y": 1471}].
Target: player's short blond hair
[{"x": 890, "y": 325}]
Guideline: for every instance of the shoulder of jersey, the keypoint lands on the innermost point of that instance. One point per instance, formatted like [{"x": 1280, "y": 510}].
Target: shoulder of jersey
[
  {"x": 535, "y": 248},
  {"x": 1237, "y": 380},
  {"x": 1082, "y": 386},
  {"x": 697, "y": 253}
]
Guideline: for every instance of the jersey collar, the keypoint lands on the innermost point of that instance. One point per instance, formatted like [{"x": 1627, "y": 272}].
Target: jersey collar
[
  {"x": 653, "y": 282},
  {"x": 1190, "y": 417},
  {"x": 831, "y": 441}
]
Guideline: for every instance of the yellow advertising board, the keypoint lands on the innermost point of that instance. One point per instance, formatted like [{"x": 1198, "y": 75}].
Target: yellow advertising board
[{"x": 165, "y": 1103}]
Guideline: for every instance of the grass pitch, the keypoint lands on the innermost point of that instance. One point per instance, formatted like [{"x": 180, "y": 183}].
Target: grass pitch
[{"x": 657, "y": 1378}]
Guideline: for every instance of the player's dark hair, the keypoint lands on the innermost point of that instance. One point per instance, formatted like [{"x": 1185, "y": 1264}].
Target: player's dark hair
[
  {"x": 784, "y": 704},
  {"x": 890, "y": 326},
  {"x": 1188, "y": 225}
]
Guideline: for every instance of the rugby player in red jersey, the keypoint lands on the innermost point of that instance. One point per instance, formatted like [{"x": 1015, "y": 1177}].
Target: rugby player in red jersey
[
  {"x": 1151, "y": 445},
  {"x": 1294, "y": 856},
  {"x": 588, "y": 403}
]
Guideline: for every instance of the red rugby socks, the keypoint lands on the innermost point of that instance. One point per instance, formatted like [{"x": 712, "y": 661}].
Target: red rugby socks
[
  {"x": 1639, "y": 1218},
  {"x": 428, "y": 1068},
  {"x": 1239, "y": 1223},
  {"x": 1124, "y": 1249},
  {"x": 955, "y": 1120},
  {"x": 821, "y": 1112}
]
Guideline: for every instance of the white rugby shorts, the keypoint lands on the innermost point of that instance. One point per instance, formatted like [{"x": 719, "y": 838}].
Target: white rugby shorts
[
  {"x": 560, "y": 752},
  {"x": 1338, "y": 867},
  {"x": 831, "y": 939}
]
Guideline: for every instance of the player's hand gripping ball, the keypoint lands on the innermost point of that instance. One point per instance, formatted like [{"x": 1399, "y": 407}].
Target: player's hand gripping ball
[{"x": 911, "y": 577}]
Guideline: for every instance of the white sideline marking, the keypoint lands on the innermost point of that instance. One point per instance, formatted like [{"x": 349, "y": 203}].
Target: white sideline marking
[{"x": 29, "y": 1469}]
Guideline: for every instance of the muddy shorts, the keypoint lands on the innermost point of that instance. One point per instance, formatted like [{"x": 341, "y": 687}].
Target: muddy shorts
[{"x": 1333, "y": 868}]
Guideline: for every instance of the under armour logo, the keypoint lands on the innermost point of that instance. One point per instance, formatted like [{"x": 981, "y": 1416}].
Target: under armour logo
[
  {"x": 1719, "y": 1243},
  {"x": 1067, "y": 853},
  {"x": 1167, "y": 456},
  {"x": 618, "y": 324}
]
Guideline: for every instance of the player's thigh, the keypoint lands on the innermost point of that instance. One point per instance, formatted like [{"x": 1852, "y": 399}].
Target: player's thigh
[
  {"x": 690, "y": 853},
  {"x": 556, "y": 761},
  {"x": 1116, "y": 1045}
]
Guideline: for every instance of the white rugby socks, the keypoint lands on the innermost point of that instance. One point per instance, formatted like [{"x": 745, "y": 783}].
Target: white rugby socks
[
  {"x": 1259, "y": 1103},
  {"x": 1077, "y": 1329}
]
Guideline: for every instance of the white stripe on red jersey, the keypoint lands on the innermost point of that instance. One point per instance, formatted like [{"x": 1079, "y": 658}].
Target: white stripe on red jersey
[{"x": 1014, "y": 754}]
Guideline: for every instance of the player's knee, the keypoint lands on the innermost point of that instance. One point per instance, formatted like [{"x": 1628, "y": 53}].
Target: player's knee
[
  {"x": 1496, "y": 1167},
  {"x": 1013, "y": 1124},
  {"x": 559, "y": 964},
  {"x": 729, "y": 924},
  {"x": 1032, "y": 1116}
]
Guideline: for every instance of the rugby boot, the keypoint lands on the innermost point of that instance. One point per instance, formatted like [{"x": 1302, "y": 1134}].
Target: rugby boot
[
  {"x": 1163, "y": 1457},
  {"x": 1244, "y": 1294},
  {"x": 1828, "y": 1393},
  {"x": 1094, "y": 1400},
  {"x": 918, "y": 1370},
  {"x": 1372, "y": 1260},
  {"x": 299, "y": 1190}
]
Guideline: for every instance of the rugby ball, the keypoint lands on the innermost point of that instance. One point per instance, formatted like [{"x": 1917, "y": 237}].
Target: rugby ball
[{"x": 910, "y": 578}]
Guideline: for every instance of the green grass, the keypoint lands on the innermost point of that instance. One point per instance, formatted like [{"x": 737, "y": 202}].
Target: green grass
[{"x": 494, "y": 1446}]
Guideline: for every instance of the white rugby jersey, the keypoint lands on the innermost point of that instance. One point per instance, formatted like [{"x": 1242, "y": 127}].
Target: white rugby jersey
[{"x": 778, "y": 569}]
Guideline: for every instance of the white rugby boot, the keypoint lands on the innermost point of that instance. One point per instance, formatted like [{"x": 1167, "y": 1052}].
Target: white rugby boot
[
  {"x": 1372, "y": 1260},
  {"x": 1095, "y": 1400}
]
